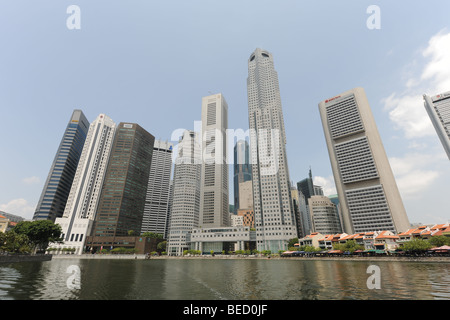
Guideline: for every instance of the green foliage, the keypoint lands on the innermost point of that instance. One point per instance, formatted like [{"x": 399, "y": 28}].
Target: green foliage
[
  {"x": 350, "y": 246},
  {"x": 439, "y": 241},
  {"x": 152, "y": 235},
  {"x": 307, "y": 249},
  {"x": 162, "y": 246},
  {"x": 417, "y": 245},
  {"x": 14, "y": 243},
  {"x": 39, "y": 233},
  {"x": 292, "y": 242},
  {"x": 121, "y": 250}
]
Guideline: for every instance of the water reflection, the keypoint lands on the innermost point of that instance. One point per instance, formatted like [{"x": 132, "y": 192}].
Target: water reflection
[{"x": 177, "y": 279}]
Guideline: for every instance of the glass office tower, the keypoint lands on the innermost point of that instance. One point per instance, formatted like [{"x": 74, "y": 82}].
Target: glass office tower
[
  {"x": 59, "y": 180},
  {"x": 122, "y": 200}
]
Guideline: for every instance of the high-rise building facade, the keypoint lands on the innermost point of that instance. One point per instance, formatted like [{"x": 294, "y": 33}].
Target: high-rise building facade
[
  {"x": 367, "y": 190},
  {"x": 324, "y": 215},
  {"x": 438, "y": 108},
  {"x": 82, "y": 203},
  {"x": 185, "y": 209},
  {"x": 274, "y": 218},
  {"x": 122, "y": 200},
  {"x": 214, "y": 206},
  {"x": 307, "y": 189},
  {"x": 242, "y": 169},
  {"x": 158, "y": 191},
  {"x": 296, "y": 207},
  {"x": 59, "y": 180}
]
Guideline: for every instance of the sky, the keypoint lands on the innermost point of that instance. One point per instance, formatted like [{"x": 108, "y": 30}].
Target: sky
[{"x": 151, "y": 62}]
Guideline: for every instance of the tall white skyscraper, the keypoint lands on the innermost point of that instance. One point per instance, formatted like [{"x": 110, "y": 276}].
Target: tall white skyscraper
[
  {"x": 274, "y": 217},
  {"x": 81, "y": 206},
  {"x": 185, "y": 209},
  {"x": 438, "y": 108},
  {"x": 157, "y": 201},
  {"x": 214, "y": 206},
  {"x": 367, "y": 190}
]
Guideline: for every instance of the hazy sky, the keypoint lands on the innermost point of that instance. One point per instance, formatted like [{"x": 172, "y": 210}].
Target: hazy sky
[{"x": 151, "y": 62}]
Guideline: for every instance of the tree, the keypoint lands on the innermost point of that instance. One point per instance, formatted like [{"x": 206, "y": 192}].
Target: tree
[
  {"x": 152, "y": 235},
  {"x": 416, "y": 245},
  {"x": 350, "y": 246},
  {"x": 40, "y": 233},
  {"x": 162, "y": 246},
  {"x": 14, "y": 243},
  {"x": 438, "y": 241},
  {"x": 292, "y": 242}
]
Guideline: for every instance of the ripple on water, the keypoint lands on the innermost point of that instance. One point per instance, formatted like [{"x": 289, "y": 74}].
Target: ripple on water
[{"x": 216, "y": 279}]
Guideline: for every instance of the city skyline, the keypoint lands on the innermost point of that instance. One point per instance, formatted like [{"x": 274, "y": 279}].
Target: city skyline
[{"x": 395, "y": 71}]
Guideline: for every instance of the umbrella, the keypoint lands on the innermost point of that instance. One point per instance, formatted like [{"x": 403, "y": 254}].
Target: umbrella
[{"x": 442, "y": 248}]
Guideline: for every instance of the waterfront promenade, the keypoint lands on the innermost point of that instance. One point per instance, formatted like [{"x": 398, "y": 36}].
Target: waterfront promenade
[
  {"x": 12, "y": 258},
  {"x": 440, "y": 259}
]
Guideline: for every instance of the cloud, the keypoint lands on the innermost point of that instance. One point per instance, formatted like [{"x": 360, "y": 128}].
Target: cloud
[
  {"x": 328, "y": 185},
  {"x": 19, "y": 207},
  {"x": 438, "y": 69},
  {"x": 406, "y": 109},
  {"x": 408, "y": 114},
  {"x": 31, "y": 180},
  {"x": 428, "y": 73},
  {"x": 415, "y": 172}
]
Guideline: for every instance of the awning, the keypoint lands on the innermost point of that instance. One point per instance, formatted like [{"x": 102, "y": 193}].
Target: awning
[
  {"x": 441, "y": 248},
  {"x": 335, "y": 251}
]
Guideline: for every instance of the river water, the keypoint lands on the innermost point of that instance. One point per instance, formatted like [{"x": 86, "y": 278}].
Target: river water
[{"x": 231, "y": 279}]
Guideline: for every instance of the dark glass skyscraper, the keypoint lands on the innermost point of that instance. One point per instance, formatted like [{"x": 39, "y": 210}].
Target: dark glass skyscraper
[
  {"x": 242, "y": 168},
  {"x": 59, "y": 180},
  {"x": 123, "y": 194}
]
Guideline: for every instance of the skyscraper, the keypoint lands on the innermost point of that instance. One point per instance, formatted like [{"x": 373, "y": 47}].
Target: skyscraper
[
  {"x": 158, "y": 191},
  {"x": 307, "y": 189},
  {"x": 81, "y": 207},
  {"x": 274, "y": 217},
  {"x": 367, "y": 190},
  {"x": 122, "y": 200},
  {"x": 296, "y": 207},
  {"x": 214, "y": 206},
  {"x": 324, "y": 215},
  {"x": 59, "y": 180},
  {"x": 185, "y": 209},
  {"x": 438, "y": 108},
  {"x": 242, "y": 169}
]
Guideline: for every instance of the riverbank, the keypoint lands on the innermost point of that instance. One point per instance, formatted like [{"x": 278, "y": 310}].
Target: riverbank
[
  {"x": 427, "y": 259},
  {"x": 13, "y": 258}
]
